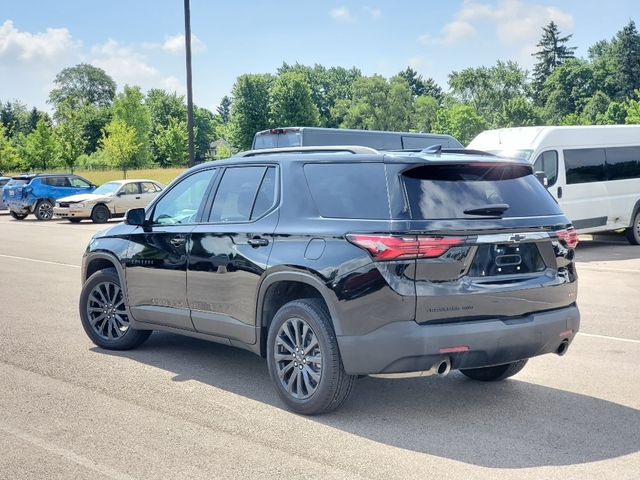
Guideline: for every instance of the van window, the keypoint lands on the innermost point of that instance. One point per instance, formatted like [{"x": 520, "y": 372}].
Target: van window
[
  {"x": 623, "y": 162},
  {"x": 348, "y": 190},
  {"x": 584, "y": 165},
  {"x": 447, "y": 191},
  {"x": 547, "y": 162}
]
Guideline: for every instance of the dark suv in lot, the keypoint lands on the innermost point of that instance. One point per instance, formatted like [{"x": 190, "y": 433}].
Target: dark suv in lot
[{"x": 339, "y": 263}]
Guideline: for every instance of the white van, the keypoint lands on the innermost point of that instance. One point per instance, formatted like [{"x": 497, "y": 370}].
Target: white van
[{"x": 593, "y": 172}]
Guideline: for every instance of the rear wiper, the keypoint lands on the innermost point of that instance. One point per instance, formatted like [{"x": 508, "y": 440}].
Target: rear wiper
[{"x": 492, "y": 210}]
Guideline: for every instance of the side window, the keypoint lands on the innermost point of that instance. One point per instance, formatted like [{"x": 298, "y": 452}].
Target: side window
[
  {"x": 547, "y": 162},
  {"x": 130, "y": 189},
  {"x": 584, "y": 165},
  {"x": 236, "y": 194},
  {"x": 56, "y": 181},
  {"x": 148, "y": 187},
  {"x": 623, "y": 162},
  {"x": 266, "y": 194},
  {"x": 78, "y": 182},
  {"x": 181, "y": 203}
]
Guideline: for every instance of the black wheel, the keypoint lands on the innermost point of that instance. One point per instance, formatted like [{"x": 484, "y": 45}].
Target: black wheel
[
  {"x": 496, "y": 373},
  {"x": 18, "y": 216},
  {"x": 100, "y": 214},
  {"x": 104, "y": 314},
  {"x": 44, "y": 210},
  {"x": 633, "y": 232},
  {"x": 304, "y": 360},
  {"x": 74, "y": 220}
]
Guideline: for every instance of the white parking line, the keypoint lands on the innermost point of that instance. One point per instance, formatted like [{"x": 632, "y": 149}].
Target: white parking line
[
  {"x": 606, "y": 269},
  {"x": 606, "y": 337},
  {"x": 39, "y": 261}
]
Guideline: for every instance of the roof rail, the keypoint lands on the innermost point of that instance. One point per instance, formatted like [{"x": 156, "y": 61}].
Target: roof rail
[{"x": 352, "y": 149}]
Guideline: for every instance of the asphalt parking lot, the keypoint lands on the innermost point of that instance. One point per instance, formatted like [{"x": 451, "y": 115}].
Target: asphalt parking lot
[{"x": 185, "y": 408}]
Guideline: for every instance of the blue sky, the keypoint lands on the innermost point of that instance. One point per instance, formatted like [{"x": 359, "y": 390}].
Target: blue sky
[{"x": 139, "y": 41}]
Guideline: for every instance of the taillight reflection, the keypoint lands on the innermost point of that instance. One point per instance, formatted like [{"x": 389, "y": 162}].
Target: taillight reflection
[{"x": 569, "y": 237}]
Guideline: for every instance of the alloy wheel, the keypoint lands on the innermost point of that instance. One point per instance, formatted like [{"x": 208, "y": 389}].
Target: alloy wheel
[
  {"x": 298, "y": 358},
  {"x": 106, "y": 311},
  {"x": 45, "y": 211}
]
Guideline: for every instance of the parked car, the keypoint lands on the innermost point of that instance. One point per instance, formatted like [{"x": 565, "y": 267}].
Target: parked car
[
  {"x": 317, "y": 136},
  {"x": 37, "y": 193},
  {"x": 334, "y": 265},
  {"x": 3, "y": 182},
  {"x": 593, "y": 171},
  {"x": 112, "y": 199}
]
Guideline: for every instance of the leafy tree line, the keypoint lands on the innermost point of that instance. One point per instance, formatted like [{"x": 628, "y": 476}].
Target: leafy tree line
[{"x": 95, "y": 126}]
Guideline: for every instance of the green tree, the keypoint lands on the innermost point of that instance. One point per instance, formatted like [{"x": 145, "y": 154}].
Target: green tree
[
  {"x": 518, "y": 111},
  {"x": 205, "y": 131},
  {"x": 553, "y": 52},
  {"x": 92, "y": 121},
  {"x": 605, "y": 67},
  {"x": 627, "y": 54},
  {"x": 120, "y": 145},
  {"x": 172, "y": 143},
  {"x": 81, "y": 85},
  {"x": 41, "y": 149},
  {"x": 250, "y": 108},
  {"x": 461, "y": 121},
  {"x": 568, "y": 89},
  {"x": 163, "y": 106},
  {"x": 290, "y": 102},
  {"x": 595, "y": 109},
  {"x": 9, "y": 159},
  {"x": 420, "y": 86},
  {"x": 224, "y": 109},
  {"x": 15, "y": 117},
  {"x": 129, "y": 106},
  {"x": 70, "y": 135},
  {"x": 632, "y": 108},
  {"x": 490, "y": 89},
  {"x": 424, "y": 113}
]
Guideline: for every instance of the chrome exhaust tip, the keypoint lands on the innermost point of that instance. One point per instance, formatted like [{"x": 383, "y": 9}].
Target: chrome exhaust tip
[
  {"x": 563, "y": 347},
  {"x": 443, "y": 368}
]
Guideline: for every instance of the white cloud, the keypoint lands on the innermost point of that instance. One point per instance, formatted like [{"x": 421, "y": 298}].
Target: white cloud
[
  {"x": 374, "y": 13},
  {"x": 20, "y": 47},
  {"x": 418, "y": 62},
  {"x": 515, "y": 21},
  {"x": 341, "y": 14},
  {"x": 127, "y": 66},
  {"x": 175, "y": 44}
]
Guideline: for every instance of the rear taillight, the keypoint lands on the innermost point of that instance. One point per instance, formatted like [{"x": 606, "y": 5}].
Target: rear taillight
[
  {"x": 569, "y": 237},
  {"x": 390, "y": 247}
]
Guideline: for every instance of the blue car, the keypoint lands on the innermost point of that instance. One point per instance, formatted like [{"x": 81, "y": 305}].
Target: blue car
[
  {"x": 3, "y": 182},
  {"x": 37, "y": 193}
]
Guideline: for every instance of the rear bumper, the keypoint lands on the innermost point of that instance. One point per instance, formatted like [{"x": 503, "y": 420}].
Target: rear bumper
[
  {"x": 408, "y": 347},
  {"x": 19, "y": 206}
]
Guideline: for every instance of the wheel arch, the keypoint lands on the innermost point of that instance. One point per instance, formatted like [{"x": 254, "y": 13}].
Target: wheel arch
[
  {"x": 634, "y": 212},
  {"x": 279, "y": 288},
  {"x": 100, "y": 260}
]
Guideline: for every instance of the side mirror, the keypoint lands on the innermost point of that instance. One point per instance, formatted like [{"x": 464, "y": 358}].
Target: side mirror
[
  {"x": 136, "y": 217},
  {"x": 542, "y": 177}
]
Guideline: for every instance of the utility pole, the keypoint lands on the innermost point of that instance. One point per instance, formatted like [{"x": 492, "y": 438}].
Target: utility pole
[{"x": 187, "y": 44}]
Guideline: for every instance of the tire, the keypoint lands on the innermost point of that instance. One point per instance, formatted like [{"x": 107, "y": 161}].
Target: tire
[
  {"x": 633, "y": 232},
  {"x": 18, "y": 216},
  {"x": 74, "y": 220},
  {"x": 102, "y": 295},
  {"x": 43, "y": 210},
  {"x": 306, "y": 394},
  {"x": 495, "y": 373},
  {"x": 100, "y": 214}
]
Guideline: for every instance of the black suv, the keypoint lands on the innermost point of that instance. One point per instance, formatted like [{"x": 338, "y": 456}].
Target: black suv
[{"x": 339, "y": 263}]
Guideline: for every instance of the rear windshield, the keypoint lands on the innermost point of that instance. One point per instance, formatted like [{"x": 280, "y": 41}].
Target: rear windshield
[
  {"x": 446, "y": 191},
  {"x": 18, "y": 181},
  {"x": 348, "y": 190}
]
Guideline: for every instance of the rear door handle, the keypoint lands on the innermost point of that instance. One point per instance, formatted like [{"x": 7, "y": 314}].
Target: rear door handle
[
  {"x": 137, "y": 198},
  {"x": 258, "y": 242},
  {"x": 178, "y": 240}
]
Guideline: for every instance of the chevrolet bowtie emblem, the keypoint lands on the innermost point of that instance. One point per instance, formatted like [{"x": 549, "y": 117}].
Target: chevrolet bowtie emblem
[{"x": 517, "y": 238}]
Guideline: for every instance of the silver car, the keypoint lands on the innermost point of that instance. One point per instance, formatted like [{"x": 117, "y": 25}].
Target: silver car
[{"x": 110, "y": 200}]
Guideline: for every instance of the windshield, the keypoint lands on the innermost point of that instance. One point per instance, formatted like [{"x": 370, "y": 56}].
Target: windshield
[
  {"x": 512, "y": 153},
  {"x": 108, "y": 188}
]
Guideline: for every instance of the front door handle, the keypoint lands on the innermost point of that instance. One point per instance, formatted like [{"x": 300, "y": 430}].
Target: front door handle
[
  {"x": 559, "y": 192},
  {"x": 178, "y": 240},
  {"x": 137, "y": 198},
  {"x": 258, "y": 242}
]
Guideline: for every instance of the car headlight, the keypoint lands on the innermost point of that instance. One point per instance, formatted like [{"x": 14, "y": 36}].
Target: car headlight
[{"x": 77, "y": 205}]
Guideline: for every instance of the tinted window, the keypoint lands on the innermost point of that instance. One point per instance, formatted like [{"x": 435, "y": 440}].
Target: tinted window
[
  {"x": 446, "y": 191},
  {"x": 3, "y": 182},
  {"x": 56, "y": 181},
  {"x": 79, "y": 182},
  {"x": 18, "y": 181},
  {"x": 181, "y": 203},
  {"x": 348, "y": 190},
  {"x": 547, "y": 162},
  {"x": 266, "y": 194},
  {"x": 235, "y": 194},
  {"x": 623, "y": 162},
  {"x": 130, "y": 189},
  {"x": 584, "y": 165}
]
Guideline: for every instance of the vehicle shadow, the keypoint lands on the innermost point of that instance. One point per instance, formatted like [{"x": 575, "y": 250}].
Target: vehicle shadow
[
  {"x": 602, "y": 249},
  {"x": 512, "y": 424}
]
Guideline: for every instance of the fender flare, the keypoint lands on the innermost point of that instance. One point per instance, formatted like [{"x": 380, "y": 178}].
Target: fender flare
[
  {"x": 634, "y": 212},
  {"x": 102, "y": 255},
  {"x": 301, "y": 277}
]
